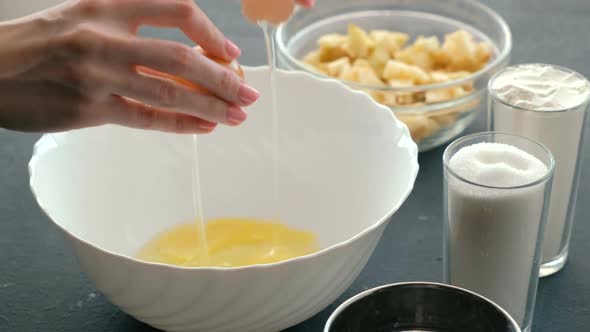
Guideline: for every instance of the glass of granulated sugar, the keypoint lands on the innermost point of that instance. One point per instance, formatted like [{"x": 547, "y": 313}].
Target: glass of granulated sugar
[
  {"x": 548, "y": 104},
  {"x": 497, "y": 189}
]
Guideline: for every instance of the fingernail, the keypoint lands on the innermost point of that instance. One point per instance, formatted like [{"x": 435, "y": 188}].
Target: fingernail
[
  {"x": 307, "y": 3},
  {"x": 247, "y": 94},
  {"x": 235, "y": 115},
  {"x": 232, "y": 49},
  {"x": 207, "y": 125}
]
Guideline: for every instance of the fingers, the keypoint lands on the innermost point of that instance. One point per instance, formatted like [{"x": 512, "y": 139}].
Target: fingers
[
  {"x": 88, "y": 46},
  {"x": 187, "y": 16},
  {"x": 166, "y": 95},
  {"x": 180, "y": 60},
  {"x": 306, "y": 3},
  {"x": 108, "y": 70},
  {"x": 130, "y": 113}
]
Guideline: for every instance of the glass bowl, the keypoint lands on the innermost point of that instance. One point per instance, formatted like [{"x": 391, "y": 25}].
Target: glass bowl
[{"x": 432, "y": 124}]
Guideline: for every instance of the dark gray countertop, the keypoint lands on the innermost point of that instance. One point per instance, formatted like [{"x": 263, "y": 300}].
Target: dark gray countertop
[{"x": 42, "y": 288}]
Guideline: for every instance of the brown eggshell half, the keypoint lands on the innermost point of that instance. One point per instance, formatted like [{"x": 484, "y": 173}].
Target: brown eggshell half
[{"x": 273, "y": 11}]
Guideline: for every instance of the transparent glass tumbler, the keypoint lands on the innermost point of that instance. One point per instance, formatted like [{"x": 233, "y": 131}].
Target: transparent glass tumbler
[
  {"x": 493, "y": 235},
  {"x": 562, "y": 132}
]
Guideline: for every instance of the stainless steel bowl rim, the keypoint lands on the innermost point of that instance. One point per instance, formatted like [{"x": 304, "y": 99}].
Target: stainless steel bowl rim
[{"x": 369, "y": 292}]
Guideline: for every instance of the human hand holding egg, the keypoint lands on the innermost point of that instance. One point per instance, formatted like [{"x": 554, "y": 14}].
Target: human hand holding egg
[{"x": 82, "y": 64}]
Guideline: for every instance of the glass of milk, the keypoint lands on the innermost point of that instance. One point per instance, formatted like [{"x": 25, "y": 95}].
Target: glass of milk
[
  {"x": 497, "y": 190},
  {"x": 548, "y": 104}
]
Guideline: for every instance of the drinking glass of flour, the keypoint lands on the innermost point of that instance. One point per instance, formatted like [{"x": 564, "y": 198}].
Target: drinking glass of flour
[
  {"x": 497, "y": 189},
  {"x": 547, "y": 104}
]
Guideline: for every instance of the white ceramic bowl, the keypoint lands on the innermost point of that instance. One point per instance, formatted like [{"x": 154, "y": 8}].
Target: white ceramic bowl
[{"x": 346, "y": 165}]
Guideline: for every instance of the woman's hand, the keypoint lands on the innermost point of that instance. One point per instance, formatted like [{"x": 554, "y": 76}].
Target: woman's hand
[{"x": 74, "y": 66}]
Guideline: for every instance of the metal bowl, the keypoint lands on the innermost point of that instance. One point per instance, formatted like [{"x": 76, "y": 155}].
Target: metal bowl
[{"x": 420, "y": 307}]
